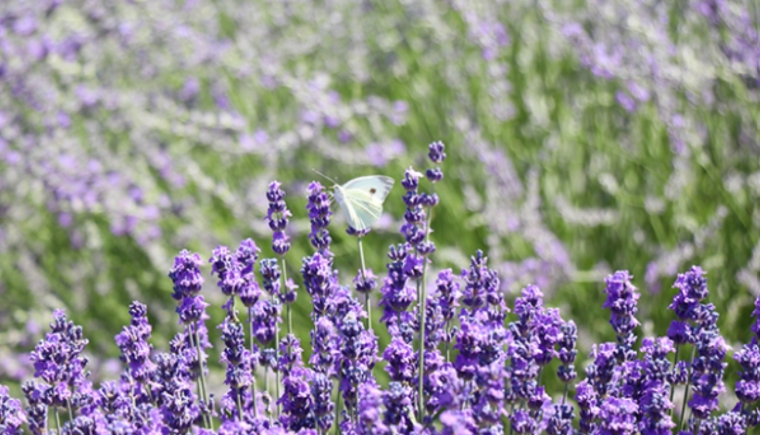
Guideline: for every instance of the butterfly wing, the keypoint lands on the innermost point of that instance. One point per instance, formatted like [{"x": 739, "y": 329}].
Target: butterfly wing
[
  {"x": 363, "y": 209},
  {"x": 361, "y": 199},
  {"x": 376, "y": 186}
]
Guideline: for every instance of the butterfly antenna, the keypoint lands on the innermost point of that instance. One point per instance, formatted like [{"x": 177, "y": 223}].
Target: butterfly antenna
[{"x": 334, "y": 182}]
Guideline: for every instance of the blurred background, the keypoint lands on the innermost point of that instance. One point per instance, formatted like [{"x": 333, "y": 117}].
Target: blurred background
[{"x": 582, "y": 137}]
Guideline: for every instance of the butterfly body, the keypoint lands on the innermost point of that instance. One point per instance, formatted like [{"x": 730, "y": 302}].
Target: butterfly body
[{"x": 361, "y": 199}]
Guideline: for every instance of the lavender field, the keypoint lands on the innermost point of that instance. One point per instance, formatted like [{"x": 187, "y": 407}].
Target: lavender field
[{"x": 572, "y": 243}]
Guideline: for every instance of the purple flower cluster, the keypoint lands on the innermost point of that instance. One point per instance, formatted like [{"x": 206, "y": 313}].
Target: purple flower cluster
[{"x": 461, "y": 362}]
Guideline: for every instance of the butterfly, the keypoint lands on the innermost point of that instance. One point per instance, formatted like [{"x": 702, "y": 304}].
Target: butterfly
[{"x": 361, "y": 199}]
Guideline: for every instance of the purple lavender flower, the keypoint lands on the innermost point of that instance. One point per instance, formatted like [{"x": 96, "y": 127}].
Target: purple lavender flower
[
  {"x": 587, "y": 399},
  {"x": 239, "y": 360},
  {"x": 321, "y": 392},
  {"x": 36, "y": 410},
  {"x": 318, "y": 280},
  {"x": 290, "y": 354},
  {"x": 448, "y": 294},
  {"x": 270, "y": 272},
  {"x": 443, "y": 388},
  {"x": 561, "y": 420},
  {"x": 402, "y": 361},
  {"x": 265, "y": 317},
  {"x": 415, "y": 216},
  {"x": 617, "y": 416},
  {"x": 12, "y": 417},
  {"x": 297, "y": 401},
  {"x": 225, "y": 266},
  {"x": 748, "y": 386},
  {"x": 622, "y": 298},
  {"x": 399, "y": 405},
  {"x": 522, "y": 422},
  {"x": 319, "y": 216},
  {"x": 277, "y": 216},
  {"x": 365, "y": 281},
  {"x": 357, "y": 357},
  {"x": 59, "y": 362},
  {"x": 186, "y": 275},
  {"x": 458, "y": 423},
  {"x": 180, "y": 409},
  {"x": 692, "y": 289},
  {"x": 708, "y": 366},
  {"x": 370, "y": 402},
  {"x": 481, "y": 290},
  {"x": 397, "y": 295},
  {"x": 136, "y": 350},
  {"x": 654, "y": 404},
  {"x": 567, "y": 352},
  {"x": 600, "y": 372},
  {"x": 437, "y": 156},
  {"x": 324, "y": 342},
  {"x": 756, "y": 326}
]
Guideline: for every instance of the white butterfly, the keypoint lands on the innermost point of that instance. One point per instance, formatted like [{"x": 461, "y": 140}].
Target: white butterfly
[{"x": 361, "y": 199}]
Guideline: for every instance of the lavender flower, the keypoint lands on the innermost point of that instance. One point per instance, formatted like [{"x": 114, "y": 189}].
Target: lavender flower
[
  {"x": 319, "y": 216},
  {"x": 297, "y": 401},
  {"x": 239, "y": 362},
  {"x": 180, "y": 410},
  {"x": 437, "y": 156},
  {"x": 321, "y": 392},
  {"x": 402, "y": 361},
  {"x": 654, "y": 404},
  {"x": 708, "y": 365},
  {"x": 622, "y": 298},
  {"x": 59, "y": 362},
  {"x": 135, "y": 349},
  {"x": 265, "y": 317},
  {"x": 567, "y": 352},
  {"x": 458, "y": 423},
  {"x": 277, "y": 216},
  {"x": 399, "y": 405},
  {"x": 319, "y": 283},
  {"x": 748, "y": 387},
  {"x": 617, "y": 416},
  {"x": 12, "y": 417}
]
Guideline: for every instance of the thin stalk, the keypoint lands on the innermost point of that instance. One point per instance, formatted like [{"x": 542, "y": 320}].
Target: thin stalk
[
  {"x": 202, "y": 375},
  {"x": 448, "y": 343},
  {"x": 364, "y": 277},
  {"x": 685, "y": 394},
  {"x": 68, "y": 407},
  {"x": 673, "y": 387},
  {"x": 422, "y": 290},
  {"x": 57, "y": 421},
  {"x": 276, "y": 372},
  {"x": 564, "y": 393},
  {"x": 266, "y": 378},
  {"x": 239, "y": 406},
  {"x": 284, "y": 283},
  {"x": 253, "y": 370},
  {"x": 337, "y": 407},
  {"x": 511, "y": 413}
]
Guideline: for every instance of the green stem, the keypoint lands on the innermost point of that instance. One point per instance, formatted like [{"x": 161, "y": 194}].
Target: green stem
[
  {"x": 284, "y": 283},
  {"x": 564, "y": 393},
  {"x": 250, "y": 342},
  {"x": 685, "y": 395},
  {"x": 276, "y": 372},
  {"x": 239, "y": 407},
  {"x": 364, "y": 277},
  {"x": 673, "y": 387},
  {"x": 68, "y": 407},
  {"x": 202, "y": 375},
  {"x": 422, "y": 290},
  {"x": 57, "y": 421},
  {"x": 337, "y": 408}
]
